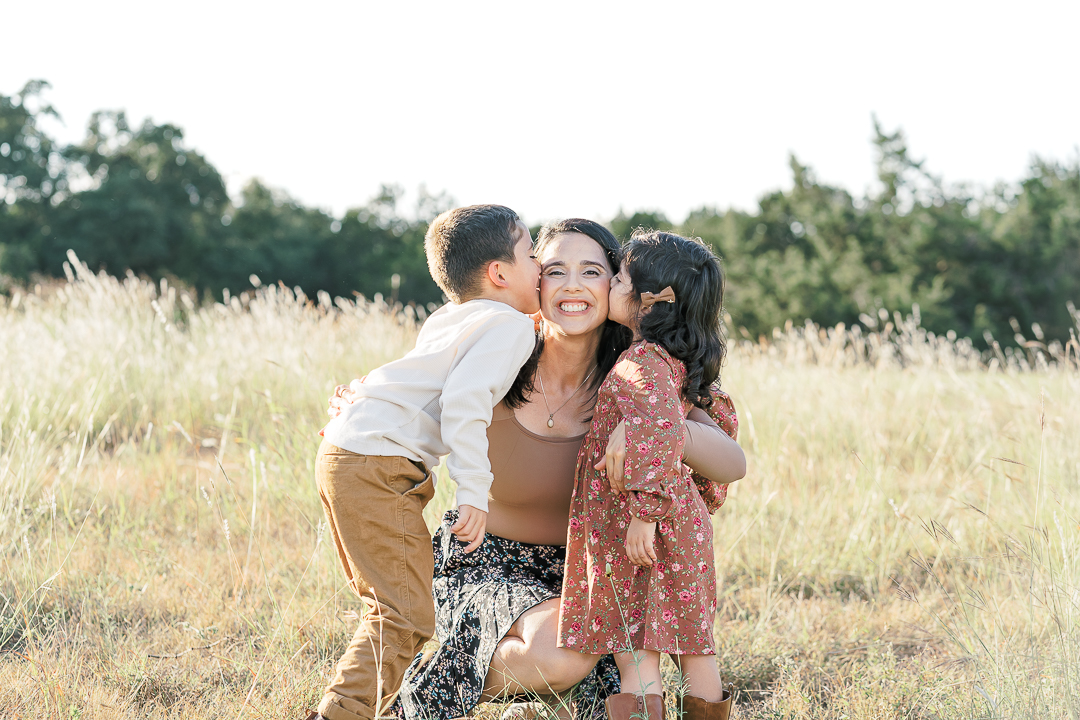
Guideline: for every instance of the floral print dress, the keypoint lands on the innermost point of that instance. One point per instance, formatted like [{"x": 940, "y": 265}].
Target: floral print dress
[{"x": 609, "y": 604}]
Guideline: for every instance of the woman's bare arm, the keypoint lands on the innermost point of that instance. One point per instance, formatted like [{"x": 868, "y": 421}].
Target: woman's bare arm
[{"x": 710, "y": 451}]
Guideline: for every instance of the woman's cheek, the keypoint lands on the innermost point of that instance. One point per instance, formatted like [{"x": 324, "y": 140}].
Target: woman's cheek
[
  {"x": 547, "y": 292},
  {"x": 602, "y": 291}
]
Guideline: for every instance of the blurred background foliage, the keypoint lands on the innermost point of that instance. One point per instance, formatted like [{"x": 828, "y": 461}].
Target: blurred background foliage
[{"x": 976, "y": 261}]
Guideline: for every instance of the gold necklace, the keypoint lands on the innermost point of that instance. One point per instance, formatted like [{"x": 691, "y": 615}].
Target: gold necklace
[{"x": 551, "y": 415}]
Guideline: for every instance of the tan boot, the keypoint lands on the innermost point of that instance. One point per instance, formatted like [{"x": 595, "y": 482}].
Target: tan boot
[
  {"x": 694, "y": 708},
  {"x": 631, "y": 706}
]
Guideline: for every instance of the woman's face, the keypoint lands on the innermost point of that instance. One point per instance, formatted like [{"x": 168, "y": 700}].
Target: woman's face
[{"x": 574, "y": 281}]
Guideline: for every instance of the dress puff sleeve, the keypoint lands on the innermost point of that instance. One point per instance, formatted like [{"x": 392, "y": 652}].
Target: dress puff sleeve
[
  {"x": 722, "y": 411},
  {"x": 649, "y": 400}
]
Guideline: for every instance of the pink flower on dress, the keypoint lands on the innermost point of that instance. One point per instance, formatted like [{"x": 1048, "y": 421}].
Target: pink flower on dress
[
  {"x": 676, "y": 566},
  {"x": 668, "y": 615},
  {"x": 594, "y": 536},
  {"x": 642, "y": 448},
  {"x": 636, "y": 613},
  {"x": 685, "y": 595},
  {"x": 574, "y": 523},
  {"x": 575, "y": 626},
  {"x": 596, "y": 623},
  {"x": 571, "y": 641},
  {"x": 697, "y": 522},
  {"x": 657, "y": 462},
  {"x": 700, "y": 537}
]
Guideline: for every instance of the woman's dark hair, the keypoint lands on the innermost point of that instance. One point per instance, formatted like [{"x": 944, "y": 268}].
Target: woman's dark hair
[
  {"x": 614, "y": 338},
  {"x": 689, "y": 328}
]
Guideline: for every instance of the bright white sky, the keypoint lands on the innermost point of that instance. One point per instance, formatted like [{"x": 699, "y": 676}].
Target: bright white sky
[{"x": 565, "y": 108}]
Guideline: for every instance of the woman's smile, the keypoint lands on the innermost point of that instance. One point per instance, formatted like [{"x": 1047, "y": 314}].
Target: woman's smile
[{"x": 573, "y": 307}]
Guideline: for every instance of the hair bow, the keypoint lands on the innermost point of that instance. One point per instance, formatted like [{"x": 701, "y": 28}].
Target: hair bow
[{"x": 649, "y": 299}]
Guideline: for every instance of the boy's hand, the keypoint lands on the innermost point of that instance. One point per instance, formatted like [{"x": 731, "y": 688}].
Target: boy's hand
[
  {"x": 639, "y": 542},
  {"x": 470, "y": 527},
  {"x": 614, "y": 459}
]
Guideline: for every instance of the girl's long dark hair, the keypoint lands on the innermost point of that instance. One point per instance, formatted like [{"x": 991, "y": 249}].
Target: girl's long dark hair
[
  {"x": 614, "y": 338},
  {"x": 690, "y": 328}
]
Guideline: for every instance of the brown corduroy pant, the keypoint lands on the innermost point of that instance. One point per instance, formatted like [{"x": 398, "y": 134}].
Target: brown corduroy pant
[{"x": 375, "y": 505}]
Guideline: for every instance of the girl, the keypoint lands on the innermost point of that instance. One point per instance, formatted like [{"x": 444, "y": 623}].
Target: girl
[{"x": 639, "y": 575}]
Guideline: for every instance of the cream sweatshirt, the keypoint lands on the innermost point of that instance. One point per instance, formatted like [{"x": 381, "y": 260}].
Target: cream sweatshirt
[{"x": 438, "y": 398}]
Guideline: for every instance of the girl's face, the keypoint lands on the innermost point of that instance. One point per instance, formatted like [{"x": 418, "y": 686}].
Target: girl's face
[
  {"x": 574, "y": 279},
  {"x": 621, "y": 307}
]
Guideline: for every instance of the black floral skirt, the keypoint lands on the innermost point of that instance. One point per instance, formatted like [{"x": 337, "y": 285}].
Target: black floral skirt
[{"x": 478, "y": 597}]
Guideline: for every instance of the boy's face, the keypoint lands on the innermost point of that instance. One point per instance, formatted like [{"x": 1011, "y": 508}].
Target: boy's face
[{"x": 524, "y": 275}]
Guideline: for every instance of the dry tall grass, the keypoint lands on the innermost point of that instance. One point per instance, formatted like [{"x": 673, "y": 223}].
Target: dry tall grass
[{"x": 905, "y": 544}]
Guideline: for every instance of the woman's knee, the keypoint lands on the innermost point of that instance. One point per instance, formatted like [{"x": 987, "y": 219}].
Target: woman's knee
[
  {"x": 563, "y": 669},
  {"x": 536, "y": 647}
]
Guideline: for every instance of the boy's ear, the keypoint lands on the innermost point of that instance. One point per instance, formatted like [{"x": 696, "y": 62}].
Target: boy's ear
[{"x": 494, "y": 274}]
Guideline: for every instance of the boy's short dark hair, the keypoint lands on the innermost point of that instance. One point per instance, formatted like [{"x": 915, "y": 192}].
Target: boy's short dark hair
[{"x": 461, "y": 242}]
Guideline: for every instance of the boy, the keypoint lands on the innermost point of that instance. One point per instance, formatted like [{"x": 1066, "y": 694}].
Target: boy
[{"x": 374, "y": 467}]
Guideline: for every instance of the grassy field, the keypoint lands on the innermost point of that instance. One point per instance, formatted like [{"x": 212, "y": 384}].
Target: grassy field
[{"x": 905, "y": 543}]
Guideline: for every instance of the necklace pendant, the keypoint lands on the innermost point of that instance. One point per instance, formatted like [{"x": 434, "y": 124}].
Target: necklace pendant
[{"x": 551, "y": 421}]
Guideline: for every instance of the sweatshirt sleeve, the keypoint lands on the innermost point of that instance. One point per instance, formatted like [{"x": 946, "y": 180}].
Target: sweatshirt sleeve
[
  {"x": 650, "y": 403},
  {"x": 478, "y": 381}
]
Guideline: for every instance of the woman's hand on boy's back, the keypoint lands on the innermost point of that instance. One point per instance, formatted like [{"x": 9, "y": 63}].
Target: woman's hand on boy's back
[
  {"x": 639, "y": 542},
  {"x": 343, "y": 397},
  {"x": 470, "y": 527}
]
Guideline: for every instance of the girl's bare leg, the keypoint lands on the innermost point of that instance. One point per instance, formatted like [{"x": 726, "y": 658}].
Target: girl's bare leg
[
  {"x": 702, "y": 676},
  {"x": 640, "y": 672},
  {"x": 527, "y": 660}
]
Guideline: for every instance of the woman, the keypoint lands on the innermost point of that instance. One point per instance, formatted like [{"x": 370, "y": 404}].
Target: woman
[{"x": 497, "y": 607}]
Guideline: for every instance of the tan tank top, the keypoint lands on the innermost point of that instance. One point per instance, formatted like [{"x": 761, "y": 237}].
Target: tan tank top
[{"x": 529, "y": 500}]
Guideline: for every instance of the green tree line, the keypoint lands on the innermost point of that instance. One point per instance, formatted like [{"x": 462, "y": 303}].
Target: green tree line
[{"x": 974, "y": 260}]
